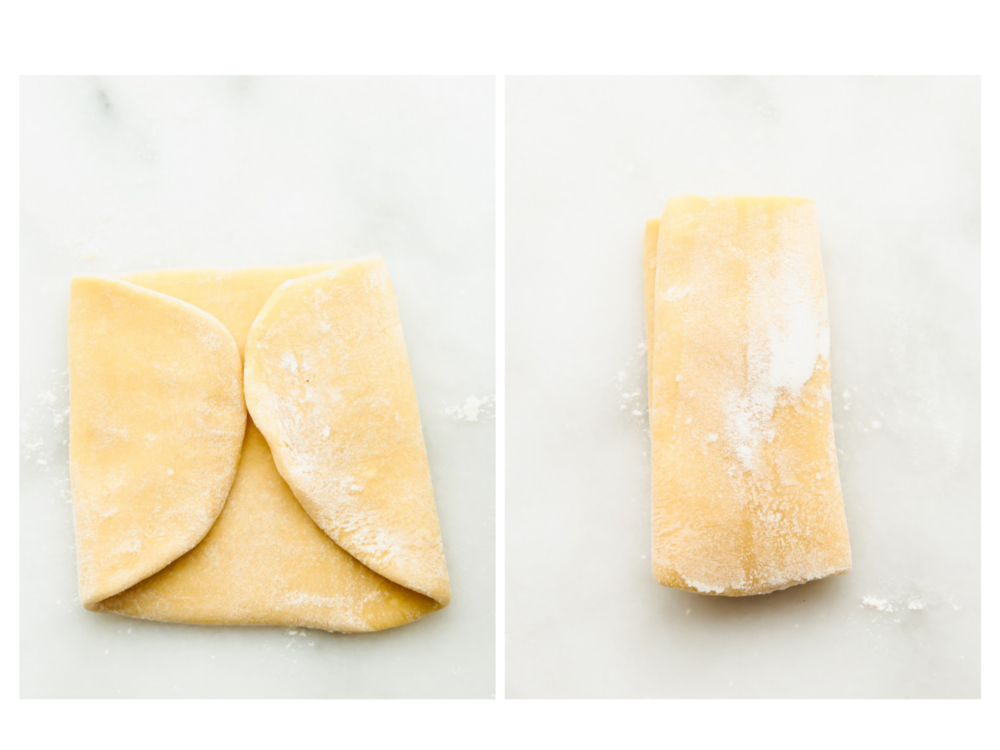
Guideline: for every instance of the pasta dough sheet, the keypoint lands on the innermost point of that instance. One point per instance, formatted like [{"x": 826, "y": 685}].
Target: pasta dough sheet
[
  {"x": 328, "y": 382},
  {"x": 180, "y": 510},
  {"x": 746, "y": 491}
]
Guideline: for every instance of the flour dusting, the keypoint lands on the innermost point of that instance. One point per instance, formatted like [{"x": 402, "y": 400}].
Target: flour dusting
[
  {"x": 784, "y": 343},
  {"x": 629, "y": 380},
  {"x": 471, "y": 409},
  {"x": 880, "y": 604},
  {"x": 874, "y": 602}
]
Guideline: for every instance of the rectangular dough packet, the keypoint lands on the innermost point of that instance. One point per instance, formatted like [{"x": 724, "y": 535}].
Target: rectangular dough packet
[
  {"x": 746, "y": 494},
  {"x": 182, "y": 512}
]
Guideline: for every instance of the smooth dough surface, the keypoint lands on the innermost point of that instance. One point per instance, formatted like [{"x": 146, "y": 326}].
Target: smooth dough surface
[
  {"x": 264, "y": 561},
  {"x": 231, "y": 296},
  {"x": 328, "y": 383},
  {"x": 746, "y": 492},
  {"x": 156, "y": 424}
]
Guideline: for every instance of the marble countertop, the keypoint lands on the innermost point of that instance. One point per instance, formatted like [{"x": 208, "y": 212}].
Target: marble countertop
[
  {"x": 894, "y": 166},
  {"x": 127, "y": 174}
]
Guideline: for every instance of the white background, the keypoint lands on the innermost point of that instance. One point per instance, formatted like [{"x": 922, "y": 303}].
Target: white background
[
  {"x": 130, "y": 174},
  {"x": 894, "y": 166}
]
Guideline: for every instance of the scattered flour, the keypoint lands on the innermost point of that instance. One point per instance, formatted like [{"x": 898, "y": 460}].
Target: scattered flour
[
  {"x": 471, "y": 409},
  {"x": 884, "y": 605},
  {"x": 43, "y": 447},
  {"x": 629, "y": 383},
  {"x": 874, "y": 602},
  {"x": 675, "y": 293}
]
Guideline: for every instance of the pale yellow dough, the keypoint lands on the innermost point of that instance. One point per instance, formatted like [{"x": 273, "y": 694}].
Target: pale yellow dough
[
  {"x": 232, "y": 296},
  {"x": 156, "y": 423},
  {"x": 328, "y": 383},
  {"x": 746, "y": 492},
  {"x": 262, "y": 561}
]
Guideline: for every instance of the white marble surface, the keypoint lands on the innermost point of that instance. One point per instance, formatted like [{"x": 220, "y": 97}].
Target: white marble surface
[
  {"x": 127, "y": 174},
  {"x": 894, "y": 167}
]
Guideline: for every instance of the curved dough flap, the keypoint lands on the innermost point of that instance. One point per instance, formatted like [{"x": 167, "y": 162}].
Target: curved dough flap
[
  {"x": 266, "y": 563},
  {"x": 157, "y": 421},
  {"x": 231, "y": 296},
  {"x": 328, "y": 383}
]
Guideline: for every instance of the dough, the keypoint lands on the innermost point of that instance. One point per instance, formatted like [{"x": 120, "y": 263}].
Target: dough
[
  {"x": 328, "y": 383},
  {"x": 264, "y": 561},
  {"x": 232, "y": 296},
  {"x": 156, "y": 423},
  {"x": 746, "y": 493}
]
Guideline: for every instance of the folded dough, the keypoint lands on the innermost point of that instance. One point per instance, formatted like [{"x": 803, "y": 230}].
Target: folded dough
[
  {"x": 328, "y": 383},
  {"x": 233, "y": 297},
  {"x": 157, "y": 420},
  {"x": 746, "y": 493},
  {"x": 263, "y": 561}
]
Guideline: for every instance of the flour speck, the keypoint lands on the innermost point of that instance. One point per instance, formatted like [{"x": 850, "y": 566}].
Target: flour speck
[{"x": 471, "y": 409}]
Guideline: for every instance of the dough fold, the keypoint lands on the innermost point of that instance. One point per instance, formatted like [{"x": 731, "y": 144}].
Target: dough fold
[
  {"x": 264, "y": 562},
  {"x": 159, "y": 354},
  {"x": 156, "y": 423},
  {"x": 328, "y": 383},
  {"x": 746, "y": 491}
]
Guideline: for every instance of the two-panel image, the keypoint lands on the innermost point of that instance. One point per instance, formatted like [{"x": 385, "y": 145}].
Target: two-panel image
[{"x": 717, "y": 339}]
